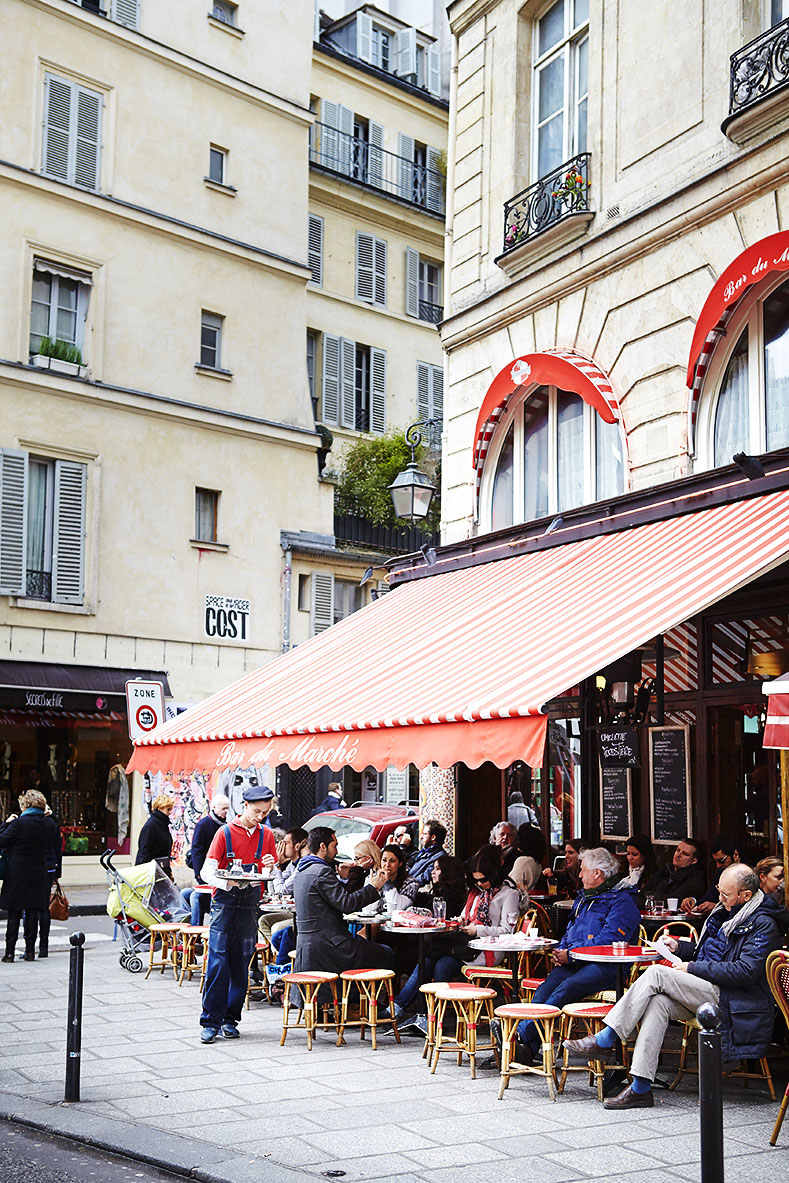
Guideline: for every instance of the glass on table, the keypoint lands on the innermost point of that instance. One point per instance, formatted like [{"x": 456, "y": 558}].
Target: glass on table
[
  {"x": 511, "y": 919},
  {"x": 649, "y": 905},
  {"x": 439, "y": 909}
]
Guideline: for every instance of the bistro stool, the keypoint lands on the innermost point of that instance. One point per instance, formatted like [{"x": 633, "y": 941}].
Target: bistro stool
[
  {"x": 369, "y": 983},
  {"x": 590, "y": 1016},
  {"x": 260, "y": 958},
  {"x": 528, "y": 986},
  {"x": 168, "y": 951},
  {"x": 690, "y": 1029},
  {"x": 467, "y": 1002},
  {"x": 544, "y": 1018},
  {"x": 429, "y": 991},
  {"x": 190, "y": 936},
  {"x": 307, "y": 985},
  {"x": 489, "y": 975}
]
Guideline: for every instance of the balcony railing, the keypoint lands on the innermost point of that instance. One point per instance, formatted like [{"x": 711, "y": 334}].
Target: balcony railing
[
  {"x": 349, "y": 528},
  {"x": 39, "y": 585},
  {"x": 760, "y": 68},
  {"x": 559, "y": 195},
  {"x": 375, "y": 168},
  {"x": 432, "y": 312}
]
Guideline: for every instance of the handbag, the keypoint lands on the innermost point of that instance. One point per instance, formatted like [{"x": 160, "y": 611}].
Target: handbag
[{"x": 58, "y": 902}]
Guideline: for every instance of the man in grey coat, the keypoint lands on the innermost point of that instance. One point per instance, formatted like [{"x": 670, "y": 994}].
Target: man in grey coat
[{"x": 323, "y": 940}]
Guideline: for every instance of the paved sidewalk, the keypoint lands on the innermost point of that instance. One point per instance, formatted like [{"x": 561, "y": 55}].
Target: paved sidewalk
[{"x": 150, "y": 1088}]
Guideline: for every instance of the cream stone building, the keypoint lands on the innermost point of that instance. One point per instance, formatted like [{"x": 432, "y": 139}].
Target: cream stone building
[{"x": 155, "y": 203}]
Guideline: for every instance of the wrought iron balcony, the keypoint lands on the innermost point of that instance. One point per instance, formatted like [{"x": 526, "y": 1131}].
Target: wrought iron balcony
[
  {"x": 39, "y": 585},
  {"x": 559, "y": 195},
  {"x": 349, "y": 528},
  {"x": 432, "y": 312},
  {"x": 760, "y": 68},
  {"x": 375, "y": 168}
]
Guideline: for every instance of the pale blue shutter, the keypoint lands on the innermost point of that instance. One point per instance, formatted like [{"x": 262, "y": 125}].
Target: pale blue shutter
[
  {"x": 406, "y": 53},
  {"x": 329, "y": 147},
  {"x": 321, "y": 601},
  {"x": 345, "y": 126},
  {"x": 347, "y": 383},
  {"x": 411, "y": 282},
  {"x": 436, "y": 392},
  {"x": 364, "y": 37},
  {"x": 315, "y": 249},
  {"x": 434, "y": 72},
  {"x": 378, "y": 390},
  {"x": 13, "y": 521},
  {"x": 125, "y": 12},
  {"x": 57, "y": 127},
  {"x": 87, "y": 149},
  {"x": 375, "y": 156},
  {"x": 422, "y": 390},
  {"x": 68, "y": 533},
  {"x": 379, "y": 272},
  {"x": 365, "y": 246},
  {"x": 316, "y": 21},
  {"x": 406, "y": 150},
  {"x": 435, "y": 182},
  {"x": 330, "y": 380}
]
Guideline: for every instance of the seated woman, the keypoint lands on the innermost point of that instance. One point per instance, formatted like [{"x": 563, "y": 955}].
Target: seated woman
[
  {"x": 532, "y": 845},
  {"x": 771, "y": 881},
  {"x": 641, "y": 864},
  {"x": 447, "y": 883},
  {"x": 491, "y": 908},
  {"x": 569, "y": 879}
]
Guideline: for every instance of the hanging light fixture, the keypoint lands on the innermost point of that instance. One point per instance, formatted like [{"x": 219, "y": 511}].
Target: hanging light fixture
[{"x": 412, "y": 491}]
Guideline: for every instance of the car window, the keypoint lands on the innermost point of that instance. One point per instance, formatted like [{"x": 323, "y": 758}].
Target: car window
[{"x": 350, "y": 831}]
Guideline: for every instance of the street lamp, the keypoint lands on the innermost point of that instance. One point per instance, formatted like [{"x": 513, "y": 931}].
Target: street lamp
[{"x": 412, "y": 491}]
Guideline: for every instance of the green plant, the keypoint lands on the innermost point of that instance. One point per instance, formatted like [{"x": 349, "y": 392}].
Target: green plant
[
  {"x": 368, "y": 468},
  {"x": 327, "y": 436},
  {"x": 60, "y": 350}
]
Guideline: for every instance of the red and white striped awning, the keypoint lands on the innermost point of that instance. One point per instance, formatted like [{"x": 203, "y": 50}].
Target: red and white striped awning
[
  {"x": 776, "y": 728},
  {"x": 455, "y": 668},
  {"x": 565, "y": 368},
  {"x": 753, "y": 265}
]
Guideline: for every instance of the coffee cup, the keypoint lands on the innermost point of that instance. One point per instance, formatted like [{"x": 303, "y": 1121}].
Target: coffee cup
[{"x": 673, "y": 905}]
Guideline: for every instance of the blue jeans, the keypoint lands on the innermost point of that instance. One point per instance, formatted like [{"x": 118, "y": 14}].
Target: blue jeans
[
  {"x": 198, "y": 903},
  {"x": 231, "y": 943},
  {"x": 283, "y": 941},
  {"x": 566, "y": 984}
]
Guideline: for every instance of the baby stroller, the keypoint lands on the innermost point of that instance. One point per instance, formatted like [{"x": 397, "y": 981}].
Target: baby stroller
[{"x": 138, "y": 898}]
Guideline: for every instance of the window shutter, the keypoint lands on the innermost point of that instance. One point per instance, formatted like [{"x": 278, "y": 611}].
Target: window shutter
[
  {"x": 365, "y": 245},
  {"x": 315, "y": 249},
  {"x": 321, "y": 601},
  {"x": 436, "y": 392},
  {"x": 435, "y": 182},
  {"x": 88, "y": 145},
  {"x": 364, "y": 37},
  {"x": 348, "y": 383},
  {"x": 68, "y": 532},
  {"x": 329, "y": 151},
  {"x": 316, "y": 21},
  {"x": 125, "y": 12},
  {"x": 422, "y": 390},
  {"x": 13, "y": 522},
  {"x": 57, "y": 126},
  {"x": 379, "y": 250},
  {"x": 406, "y": 52},
  {"x": 330, "y": 383},
  {"x": 378, "y": 384},
  {"x": 411, "y": 282},
  {"x": 375, "y": 158},
  {"x": 345, "y": 126},
  {"x": 406, "y": 149},
  {"x": 434, "y": 72}
]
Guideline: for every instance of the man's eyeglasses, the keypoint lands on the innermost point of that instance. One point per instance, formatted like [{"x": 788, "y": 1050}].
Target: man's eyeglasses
[
  {"x": 727, "y": 896},
  {"x": 720, "y": 860}
]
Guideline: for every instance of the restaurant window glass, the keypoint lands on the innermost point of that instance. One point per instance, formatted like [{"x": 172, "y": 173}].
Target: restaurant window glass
[
  {"x": 680, "y": 659},
  {"x": 749, "y": 649},
  {"x": 563, "y": 780},
  {"x": 501, "y": 510}
]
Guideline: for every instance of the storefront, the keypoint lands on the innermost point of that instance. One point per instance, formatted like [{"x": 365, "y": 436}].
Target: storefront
[{"x": 63, "y": 730}]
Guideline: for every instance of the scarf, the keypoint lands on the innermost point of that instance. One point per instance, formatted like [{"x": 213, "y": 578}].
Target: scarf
[
  {"x": 728, "y": 926},
  {"x": 477, "y": 909},
  {"x": 609, "y": 884}
]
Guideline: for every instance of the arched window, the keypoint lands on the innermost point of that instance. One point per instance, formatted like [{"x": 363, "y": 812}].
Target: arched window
[
  {"x": 551, "y": 452},
  {"x": 745, "y": 401}
]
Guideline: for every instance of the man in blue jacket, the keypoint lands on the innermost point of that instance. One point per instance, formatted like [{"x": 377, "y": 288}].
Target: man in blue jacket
[
  {"x": 726, "y": 968},
  {"x": 420, "y": 865},
  {"x": 600, "y": 915}
]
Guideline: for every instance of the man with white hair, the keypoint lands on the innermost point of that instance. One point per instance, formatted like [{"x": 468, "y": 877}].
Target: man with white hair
[
  {"x": 505, "y": 836},
  {"x": 600, "y": 915},
  {"x": 203, "y": 835},
  {"x": 726, "y": 968}
]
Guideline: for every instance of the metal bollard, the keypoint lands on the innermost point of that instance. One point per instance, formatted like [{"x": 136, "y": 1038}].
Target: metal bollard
[
  {"x": 710, "y": 1094},
  {"x": 74, "y": 1028}
]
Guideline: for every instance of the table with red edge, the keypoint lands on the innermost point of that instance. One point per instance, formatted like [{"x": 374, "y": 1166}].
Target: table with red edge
[{"x": 608, "y": 955}]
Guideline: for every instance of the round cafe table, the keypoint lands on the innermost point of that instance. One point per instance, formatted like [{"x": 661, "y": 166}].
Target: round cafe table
[{"x": 513, "y": 948}]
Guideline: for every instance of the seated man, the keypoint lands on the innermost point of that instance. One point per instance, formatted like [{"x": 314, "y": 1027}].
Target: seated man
[
  {"x": 725, "y": 968},
  {"x": 323, "y": 940},
  {"x": 289, "y": 852},
  {"x": 420, "y": 865},
  {"x": 599, "y": 916},
  {"x": 505, "y": 836},
  {"x": 725, "y": 851},
  {"x": 685, "y": 877}
]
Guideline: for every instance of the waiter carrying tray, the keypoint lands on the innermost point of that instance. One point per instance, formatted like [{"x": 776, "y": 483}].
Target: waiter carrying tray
[{"x": 234, "y": 912}]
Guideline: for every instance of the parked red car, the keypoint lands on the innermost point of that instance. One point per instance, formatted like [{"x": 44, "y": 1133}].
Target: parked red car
[{"x": 377, "y": 822}]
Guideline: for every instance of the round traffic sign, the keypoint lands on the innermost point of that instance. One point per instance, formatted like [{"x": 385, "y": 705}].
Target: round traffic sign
[{"x": 146, "y": 718}]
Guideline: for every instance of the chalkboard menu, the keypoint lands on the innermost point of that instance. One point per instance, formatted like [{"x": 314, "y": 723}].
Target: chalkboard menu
[
  {"x": 669, "y": 784},
  {"x": 615, "y": 816},
  {"x": 619, "y": 749}
]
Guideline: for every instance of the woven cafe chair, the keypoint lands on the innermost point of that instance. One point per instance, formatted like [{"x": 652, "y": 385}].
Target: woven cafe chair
[
  {"x": 467, "y": 1001},
  {"x": 778, "y": 981},
  {"x": 167, "y": 935},
  {"x": 306, "y": 986},
  {"x": 590, "y": 1016},
  {"x": 690, "y": 1030},
  {"x": 190, "y": 936},
  {"x": 261, "y": 957},
  {"x": 370, "y": 984},
  {"x": 544, "y": 1017}
]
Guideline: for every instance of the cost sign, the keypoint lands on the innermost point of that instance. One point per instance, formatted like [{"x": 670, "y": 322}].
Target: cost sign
[{"x": 226, "y": 618}]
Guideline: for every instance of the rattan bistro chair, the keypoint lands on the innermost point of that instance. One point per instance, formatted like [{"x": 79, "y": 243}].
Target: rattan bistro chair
[{"x": 778, "y": 981}]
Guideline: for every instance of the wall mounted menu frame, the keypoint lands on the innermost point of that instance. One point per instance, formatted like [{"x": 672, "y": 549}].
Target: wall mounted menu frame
[
  {"x": 616, "y": 803},
  {"x": 669, "y": 784}
]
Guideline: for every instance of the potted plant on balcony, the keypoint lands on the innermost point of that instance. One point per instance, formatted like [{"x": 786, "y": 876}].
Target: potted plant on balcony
[
  {"x": 327, "y": 439},
  {"x": 60, "y": 356}
]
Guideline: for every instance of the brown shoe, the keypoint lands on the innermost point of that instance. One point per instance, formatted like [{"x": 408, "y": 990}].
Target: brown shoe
[
  {"x": 627, "y": 1099},
  {"x": 588, "y": 1048}
]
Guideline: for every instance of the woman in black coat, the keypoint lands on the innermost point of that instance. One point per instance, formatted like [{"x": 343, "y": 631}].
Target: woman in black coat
[
  {"x": 155, "y": 840},
  {"x": 28, "y": 838}
]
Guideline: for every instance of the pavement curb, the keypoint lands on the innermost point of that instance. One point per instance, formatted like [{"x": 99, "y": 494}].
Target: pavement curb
[{"x": 191, "y": 1158}]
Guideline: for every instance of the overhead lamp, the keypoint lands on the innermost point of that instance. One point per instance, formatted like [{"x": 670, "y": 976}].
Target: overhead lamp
[{"x": 412, "y": 491}]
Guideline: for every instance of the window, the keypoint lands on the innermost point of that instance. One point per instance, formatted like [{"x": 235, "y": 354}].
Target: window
[
  {"x": 59, "y": 309},
  {"x": 211, "y": 340},
  {"x": 775, "y": 12},
  {"x": 745, "y": 407},
  {"x": 315, "y": 249},
  {"x": 331, "y": 600},
  {"x": 312, "y": 353},
  {"x": 381, "y": 44},
  {"x": 206, "y": 515},
  {"x": 224, "y": 11},
  {"x": 217, "y": 165},
  {"x": 371, "y": 269},
  {"x": 561, "y": 60},
  {"x": 554, "y": 453},
  {"x": 430, "y": 395},
  {"x": 72, "y": 132},
  {"x": 421, "y": 178},
  {"x": 353, "y": 385},
  {"x": 423, "y": 288},
  {"x": 42, "y": 527}
]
